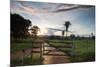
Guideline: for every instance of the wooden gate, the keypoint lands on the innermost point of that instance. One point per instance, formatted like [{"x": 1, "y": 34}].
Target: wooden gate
[{"x": 50, "y": 49}]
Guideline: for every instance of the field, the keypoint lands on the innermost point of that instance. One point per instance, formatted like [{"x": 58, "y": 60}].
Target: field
[
  {"x": 83, "y": 50},
  {"x": 18, "y": 46}
]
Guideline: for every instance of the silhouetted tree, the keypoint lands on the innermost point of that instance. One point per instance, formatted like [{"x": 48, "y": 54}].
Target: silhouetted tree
[
  {"x": 67, "y": 24},
  {"x": 92, "y": 36},
  {"x": 34, "y": 31},
  {"x": 19, "y": 26},
  {"x": 72, "y": 36}
]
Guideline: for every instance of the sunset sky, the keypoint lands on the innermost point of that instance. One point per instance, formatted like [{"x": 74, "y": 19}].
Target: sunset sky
[{"x": 53, "y": 15}]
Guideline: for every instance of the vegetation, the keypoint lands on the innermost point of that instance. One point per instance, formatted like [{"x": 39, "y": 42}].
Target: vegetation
[
  {"x": 34, "y": 31},
  {"x": 22, "y": 41},
  {"x": 84, "y": 49},
  {"x": 67, "y": 24},
  {"x": 19, "y": 45},
  {"x": 26, "y": 61},
  {"x": 79, "y": 49},
  {"x": 25, "y": 44},
  {"x": 19, "y": 26}
]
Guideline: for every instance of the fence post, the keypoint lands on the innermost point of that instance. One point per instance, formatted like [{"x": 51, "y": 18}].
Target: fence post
[
  {"x": 22, "y": 58},
  {"x": 40, "y": 51},
  {"x": 73, "y": 47}
]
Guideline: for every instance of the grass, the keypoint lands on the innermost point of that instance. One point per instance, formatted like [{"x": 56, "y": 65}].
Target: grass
[
  {"x": 15, "y": 47},
  {"x": 19, "y": 45},
  {"x": 84, "y": 50}
]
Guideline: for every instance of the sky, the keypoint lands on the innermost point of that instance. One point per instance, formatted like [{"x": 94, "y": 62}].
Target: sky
[{"x": 54, "y": 15}]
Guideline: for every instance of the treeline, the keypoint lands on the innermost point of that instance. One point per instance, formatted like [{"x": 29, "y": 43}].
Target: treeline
[{"x": 69, "y": 37}]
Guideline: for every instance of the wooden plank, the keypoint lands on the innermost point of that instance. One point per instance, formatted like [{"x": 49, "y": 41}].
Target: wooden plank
[
  {"x": 55, "y": 54},
  {"x": 68, "y": 46},
  {"x": 61, "y": 46},
  {"x": 46, "y": 46},
  {"x": 64, "y": 46},
  {"x": 35, "y": 51},
  {"x": 36, "y": 47},
  {"x": 51, "y": 50}
]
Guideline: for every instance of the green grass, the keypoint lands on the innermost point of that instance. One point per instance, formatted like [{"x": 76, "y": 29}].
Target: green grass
[
  {"x": 15, "y": 47},
  {"x": 60, "y": 41},
  {"x": 19, "y": 45},
  {"x": 84, "y": 49}
]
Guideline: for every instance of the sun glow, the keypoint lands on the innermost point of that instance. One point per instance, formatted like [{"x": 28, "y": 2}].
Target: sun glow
[{"x": 42, "y": 31}]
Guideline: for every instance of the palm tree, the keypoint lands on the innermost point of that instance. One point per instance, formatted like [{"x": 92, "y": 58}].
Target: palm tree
[{"x": 67, "y": 24}]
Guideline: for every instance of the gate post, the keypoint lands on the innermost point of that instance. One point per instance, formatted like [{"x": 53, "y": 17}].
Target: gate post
[
  {"x": 41, "y": 51},
  {"x": 73, "y": 47}
]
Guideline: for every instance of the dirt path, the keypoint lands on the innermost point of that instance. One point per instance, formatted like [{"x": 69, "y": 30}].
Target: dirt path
[{"x": 54, "y": 57}]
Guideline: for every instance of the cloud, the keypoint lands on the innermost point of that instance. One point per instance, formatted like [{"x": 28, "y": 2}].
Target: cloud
[
  {"x": 47, "y": 7},
  {"x": 53, "y": 15},
  {"x": 30, "y": 7},
  {"x": 71, "y": 7}
]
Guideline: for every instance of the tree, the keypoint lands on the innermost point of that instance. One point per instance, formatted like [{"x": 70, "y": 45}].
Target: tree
[
  {"x": 34, "y": 31},
  {"x": 19, "y": 26},
  {"x": 67, "y": 24},
  {"x": 63, "y": 32},
  {"x": 72, "y": 36},
  {"x": 92, "y": 36}
]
